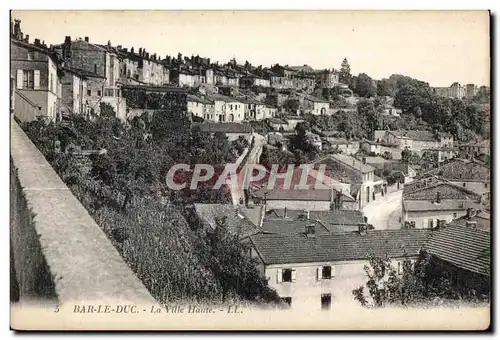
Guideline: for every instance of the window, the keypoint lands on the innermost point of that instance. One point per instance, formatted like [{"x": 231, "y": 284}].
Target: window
[
  {"x": 464, "y": 184},
  {"x": 95, "y": 68},
  {"x": 31, "y": 55},
  {"x": 28, "y": 79},
  {"x": 98, "y": 93},
  {"x": 287, "y": 300},
  {"x": 89, "y": 92},
  {"x": 286, "y": 275},
  {"x": 454, "y": 215},
  {"x": 486, "y": 185},
  {"x": 326, "y": 301},
  {"x": 430, "y": 223},
  {"x": 325, "y": 273}
]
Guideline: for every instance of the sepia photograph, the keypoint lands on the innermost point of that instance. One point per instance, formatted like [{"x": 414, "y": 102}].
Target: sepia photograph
[{"x": 250, "y": 170}]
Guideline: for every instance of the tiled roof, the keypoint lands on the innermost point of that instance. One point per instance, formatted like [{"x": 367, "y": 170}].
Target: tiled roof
[
  {"x": 348, "y": 161},
  {"x": 237, "y": 223},
  {"x": 462, "y": 170},
  {"x": 276, "y": 121},
  {"x": 213, "y": 127},
  {"x": 226, "y": 99},
  {"x": 418, "y": 135},
  {"x": 282, "y": 192},
  {"x": 316, "y": 99},
  {"x": 421, "y": 191},
  {"x": 465, "y": 247},
  {"x": 333, "y": 217},
  {"x": 282, "y": 249},
  {"x": 422, "y": 205},
  {"x": 482, "y": 218},
  {"x": 193, "y": 98},
  {"x": 290, "y": 227}
]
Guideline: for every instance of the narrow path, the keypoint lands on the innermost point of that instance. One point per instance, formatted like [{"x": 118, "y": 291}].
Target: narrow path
[{"x": 385, "y": 211}]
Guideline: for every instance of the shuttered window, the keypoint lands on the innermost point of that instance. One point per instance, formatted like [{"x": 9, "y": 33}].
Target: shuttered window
[{"x": 28, "y": 79}]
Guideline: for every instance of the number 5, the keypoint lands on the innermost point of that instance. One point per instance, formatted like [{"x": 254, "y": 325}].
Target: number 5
[{"x": 57, "y": 309}]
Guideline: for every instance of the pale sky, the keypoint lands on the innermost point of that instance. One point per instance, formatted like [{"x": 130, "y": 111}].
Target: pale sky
[{"x": 439, "y": 47}]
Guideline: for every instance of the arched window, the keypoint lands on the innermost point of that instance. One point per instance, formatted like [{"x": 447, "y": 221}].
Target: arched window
[{"x": 231, "y": 117}]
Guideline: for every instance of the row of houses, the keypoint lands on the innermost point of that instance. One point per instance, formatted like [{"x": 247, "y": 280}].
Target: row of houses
[
  {"x": 315, "y": 259},
  {"x": 78, "y": 75},
  {"x": 445, "y": 193}
]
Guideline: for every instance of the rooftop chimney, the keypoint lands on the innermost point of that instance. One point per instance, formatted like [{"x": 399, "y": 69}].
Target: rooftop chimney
[
  {"x": 471, "y": 224},
  {"x": 67, "y": 39},
  {"x": 37, "y": 42},
  {"x": 362, "y": 228},
  {"x": 119, "y": 47},
  {"x": 87, "y": 39},
  {"x": 147, "y": 55},
  {"x": 140, "y": 51},
  {"x": 310, "y": 230},
  {"x": 471, "y": 212},
  {"x": 27, "y": 38}
]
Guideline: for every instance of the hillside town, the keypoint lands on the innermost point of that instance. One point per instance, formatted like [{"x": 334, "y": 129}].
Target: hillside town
[{"x": 404, "y": 169}]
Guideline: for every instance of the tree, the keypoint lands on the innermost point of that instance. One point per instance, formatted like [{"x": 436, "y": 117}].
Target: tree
[
  {"x": 236, "y": 271},
  {"x": 364, "y": 86},
  {"x": 345, "y": 72},
  {"x": 107, "y": 110}
]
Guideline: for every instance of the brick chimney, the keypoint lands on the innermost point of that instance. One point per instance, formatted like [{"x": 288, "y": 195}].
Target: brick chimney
[
  {"x": 140, "y": 51},
  {"x": 86, "y": 39},
  {"x": 310, "y": 230},
  {"x": 27, "y": 38},
  {"x": 37, "y": 42},
  {"x": 147, "y": 55}
]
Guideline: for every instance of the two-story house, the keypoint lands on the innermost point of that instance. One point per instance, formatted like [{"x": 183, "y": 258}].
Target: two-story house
[
  {"x": 316, "y": 106},
  {"x": 142, "y": 68},
  {"x": 233, "y": 131},
  {"x": 227, "y": 109},
  {"x": 430, "y": 201},
  {"x": 254, "y": 109},
  {"x": 280, "y": 190},
  {"x": 37, "y": 71},
  {"x": 200, "y": 107},
  {"x": 418, "y": 141},
  {"x": 470, "y": 175},
  {"x": 364, "y": 186},
  {"x": 313, "y": 271}
]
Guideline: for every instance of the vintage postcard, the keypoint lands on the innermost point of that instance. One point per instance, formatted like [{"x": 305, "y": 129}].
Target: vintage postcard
[{"x": 250, "y": 170}]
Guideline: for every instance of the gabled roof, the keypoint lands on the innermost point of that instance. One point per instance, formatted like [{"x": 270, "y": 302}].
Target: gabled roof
[
  {"x": 52, "y": 54},
  {"x": 461, "y": 170},
  {"x": 283, "y": 249},
  {"x": 237, "y": 222},
  {"x": 316, "y": 99},
  {"x": 282, "y": 192},
  {"x": 429, "y": 191},
  {"x": 419, "y": 135},
  {"x": 193, "y": 98},
  {"x": 465, "y": 247},
  {"x": 347, "y": 161},
  {"x": 291, "y": 227}
]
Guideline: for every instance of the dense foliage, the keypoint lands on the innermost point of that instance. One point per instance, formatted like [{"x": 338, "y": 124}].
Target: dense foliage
[
  {"x": 122, "y": 185},
  {"x": 421, "y": 281}
]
